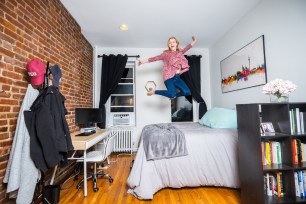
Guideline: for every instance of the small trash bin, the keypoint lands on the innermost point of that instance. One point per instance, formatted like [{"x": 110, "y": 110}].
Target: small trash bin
[{"x": 51, "y": 194}]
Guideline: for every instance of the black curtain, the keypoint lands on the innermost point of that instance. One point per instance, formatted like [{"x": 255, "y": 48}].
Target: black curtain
[
  {"x": 112, "y": 71},
  {"x": 193, "y": 81}
]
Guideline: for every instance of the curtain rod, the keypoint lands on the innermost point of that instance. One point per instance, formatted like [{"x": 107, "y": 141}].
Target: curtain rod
[
  {"x": 200, "y": 56},
  {"x": 137, "y": 56}
]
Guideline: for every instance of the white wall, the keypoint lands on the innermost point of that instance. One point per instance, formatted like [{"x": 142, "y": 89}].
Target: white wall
[
  {"x": 151, "y": 109},
  {"x": 283, "y": 24}
]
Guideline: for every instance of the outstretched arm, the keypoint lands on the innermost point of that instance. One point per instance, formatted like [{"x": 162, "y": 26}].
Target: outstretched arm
[
  {"x": 140, "y": 62},
  {"x": 194, "y": 40},
  {"x": 152, "y": 59}
]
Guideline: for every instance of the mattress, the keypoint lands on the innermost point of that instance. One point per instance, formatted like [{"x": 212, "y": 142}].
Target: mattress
[{"x": 212, "y": 160}]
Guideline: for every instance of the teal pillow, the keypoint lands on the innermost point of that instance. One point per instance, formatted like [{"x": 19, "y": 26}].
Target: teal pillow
[{"x": 220, "y": 118}]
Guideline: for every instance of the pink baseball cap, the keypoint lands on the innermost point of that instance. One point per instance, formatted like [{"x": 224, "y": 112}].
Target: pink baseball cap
[{"x": 36, "y": 70}]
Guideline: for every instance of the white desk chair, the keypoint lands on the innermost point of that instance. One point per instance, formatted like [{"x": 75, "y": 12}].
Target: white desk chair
[{"x": 97, "y": 157}]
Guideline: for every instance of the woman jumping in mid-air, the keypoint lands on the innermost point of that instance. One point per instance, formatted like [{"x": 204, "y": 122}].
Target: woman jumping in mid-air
[{"x": 175, "y": 64}]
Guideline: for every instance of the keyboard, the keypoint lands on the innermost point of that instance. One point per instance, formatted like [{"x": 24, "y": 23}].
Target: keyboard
[{"x": 86, "y": 133}]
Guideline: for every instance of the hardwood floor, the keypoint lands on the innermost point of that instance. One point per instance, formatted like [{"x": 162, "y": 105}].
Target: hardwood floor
[{"x": 116, "y": 192}]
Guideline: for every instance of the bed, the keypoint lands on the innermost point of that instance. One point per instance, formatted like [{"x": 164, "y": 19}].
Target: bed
[{"x": 212, "y": 160}]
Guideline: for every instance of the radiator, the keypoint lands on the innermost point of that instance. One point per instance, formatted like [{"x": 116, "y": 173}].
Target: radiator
[{"x": 124, "y": 139}]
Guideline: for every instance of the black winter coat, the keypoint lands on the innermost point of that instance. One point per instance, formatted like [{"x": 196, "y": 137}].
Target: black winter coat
[{"x": 49, "y": 131}]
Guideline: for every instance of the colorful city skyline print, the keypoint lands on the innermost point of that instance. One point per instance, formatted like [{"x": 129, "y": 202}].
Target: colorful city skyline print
[{"x": 245, "y": 68}]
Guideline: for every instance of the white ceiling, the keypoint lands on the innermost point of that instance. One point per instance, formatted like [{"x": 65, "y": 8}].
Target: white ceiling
[{"x": 152, "y": 22}]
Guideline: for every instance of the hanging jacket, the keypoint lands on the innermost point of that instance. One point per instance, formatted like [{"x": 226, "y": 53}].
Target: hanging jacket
[
  {"x": 49, "y": 131},
  {"x": 21, "y": 175}
]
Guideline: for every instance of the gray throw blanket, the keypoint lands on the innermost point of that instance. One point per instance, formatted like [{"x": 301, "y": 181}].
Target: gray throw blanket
[{"x": 163, "y": 141}]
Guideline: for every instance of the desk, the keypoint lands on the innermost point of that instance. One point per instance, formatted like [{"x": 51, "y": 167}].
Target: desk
[{"x": 83, "y": 143}]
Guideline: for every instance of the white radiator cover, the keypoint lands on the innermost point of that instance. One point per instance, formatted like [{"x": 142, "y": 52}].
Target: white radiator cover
[{"x": 124, "y": 139}]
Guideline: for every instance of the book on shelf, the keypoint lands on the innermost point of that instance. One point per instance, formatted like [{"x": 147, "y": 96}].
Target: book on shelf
[
  {"x": 303, "y": 147},
  {"x": 304, "y": 181},
  {"x": 291, "y": 124},
  {"x": 297, "y": 121},
  {"x": 294, "y": 151},
  {"x": 268, "y": 184},
  {"x": 271, "y": 153},
  {"x": 300, "y": 183},
  {"x": 268, "y": 153},
  {"x": 293, "y": 127},
  {"x": 278, "y": 153},
  {"x": 299, "y": 150},
  {"x": 278, "y": 181},
  {"x": 296, "y": 185},
  {"x": 303, "y": 122},
  {"x": 281, "y": 184},
  {"x": 302, "y": 152},
  {"x": 263, "y": 155},
  {"x": 273, "y": 184}
]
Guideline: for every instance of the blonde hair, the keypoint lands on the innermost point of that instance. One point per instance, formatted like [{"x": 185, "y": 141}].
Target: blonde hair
[{"x": 178, "y": 44}]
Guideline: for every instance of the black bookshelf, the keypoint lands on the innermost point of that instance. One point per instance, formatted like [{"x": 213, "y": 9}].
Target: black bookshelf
[{"x": 251, "y": 169}]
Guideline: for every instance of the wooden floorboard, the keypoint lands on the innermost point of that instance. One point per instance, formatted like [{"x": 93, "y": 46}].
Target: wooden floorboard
[{"x": 116, "y": 192}]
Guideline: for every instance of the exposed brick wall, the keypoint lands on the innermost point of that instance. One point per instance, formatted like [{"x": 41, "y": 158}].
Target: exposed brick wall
[{"x": 40, "y": 29}]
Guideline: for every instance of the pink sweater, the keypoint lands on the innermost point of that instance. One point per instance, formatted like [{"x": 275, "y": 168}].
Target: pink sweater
[{"x": 173, "y": 60}]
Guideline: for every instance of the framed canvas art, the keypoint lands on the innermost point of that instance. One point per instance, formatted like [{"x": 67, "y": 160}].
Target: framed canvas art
[{"x": 245, "y": 68}]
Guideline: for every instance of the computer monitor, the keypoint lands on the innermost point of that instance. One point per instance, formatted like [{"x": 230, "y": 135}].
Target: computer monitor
[{"x": 87, "y": 117}]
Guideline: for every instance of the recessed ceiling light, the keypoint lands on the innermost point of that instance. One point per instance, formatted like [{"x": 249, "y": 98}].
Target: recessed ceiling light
[{"x": 123, "y": 27}]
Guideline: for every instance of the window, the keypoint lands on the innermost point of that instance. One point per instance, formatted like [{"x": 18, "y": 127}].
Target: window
[
  {"x": 181, "y": 110},
  {"x": 123, "y": 98}
]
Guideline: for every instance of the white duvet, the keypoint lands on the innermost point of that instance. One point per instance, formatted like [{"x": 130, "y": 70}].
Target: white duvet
[{"x": 212, "y": 160}]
